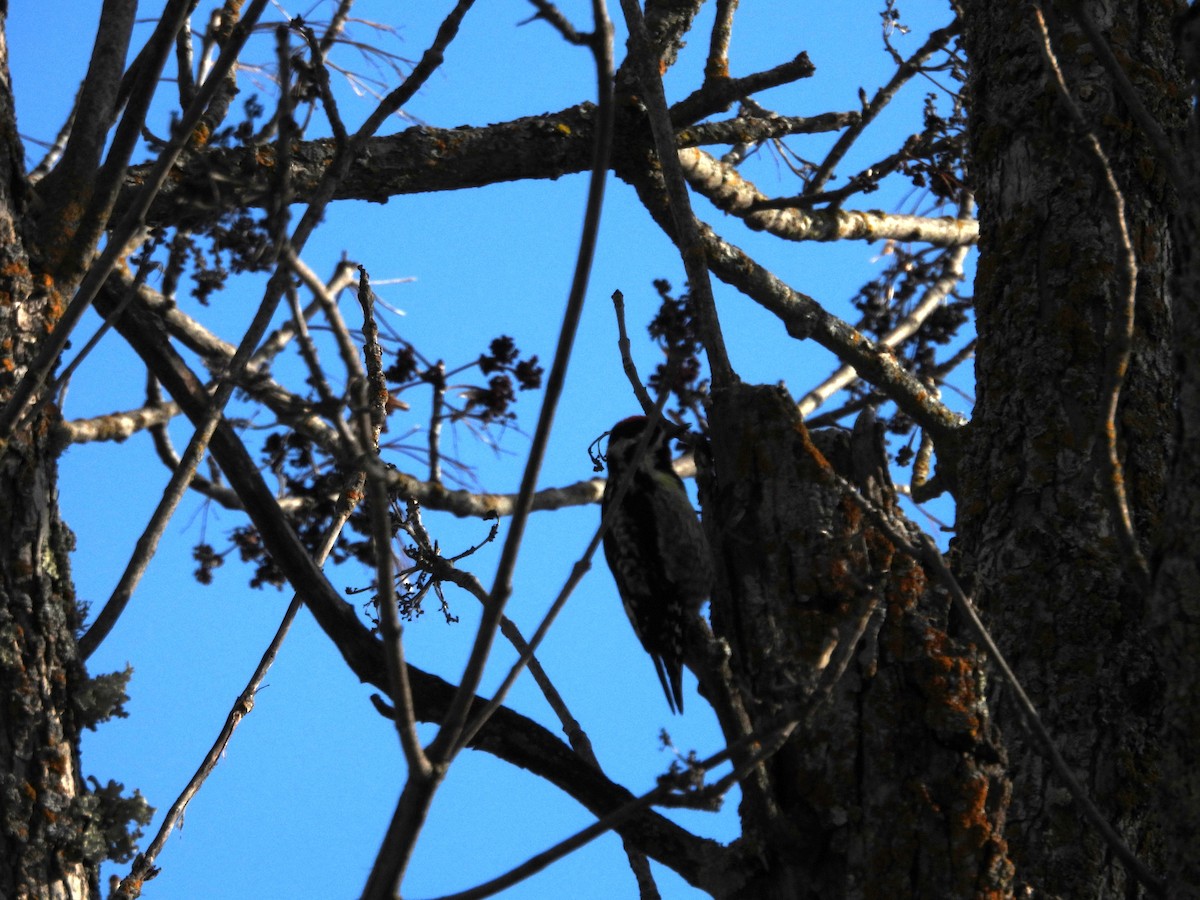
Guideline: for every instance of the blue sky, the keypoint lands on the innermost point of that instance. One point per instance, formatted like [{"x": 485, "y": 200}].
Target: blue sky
[{"x": 299, "y": 804}]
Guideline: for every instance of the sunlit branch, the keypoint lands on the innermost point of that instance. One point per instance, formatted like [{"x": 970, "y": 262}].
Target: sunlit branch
[
  {"x": 337, "y": 25},
  {"x": 116, "y": 426},
  {"x": 717, "y": 65},
  {"x": 730, "y": 192},
  {"x": 184, "y": 62}
]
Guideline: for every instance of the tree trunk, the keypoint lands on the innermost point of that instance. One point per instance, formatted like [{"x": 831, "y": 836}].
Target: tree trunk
[
  {"x": 43, "y": 812},
  {"x": 891, "y": 785},
  {"x": 1176, "y": 597},
  {"x": 1035, "y": 530}
]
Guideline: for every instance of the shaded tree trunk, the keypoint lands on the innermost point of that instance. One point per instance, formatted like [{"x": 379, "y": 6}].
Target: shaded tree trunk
[
  {"x": 1175, "y": 615},
  {"x": 1035, "y": 528},
  {"x": 892, "y": 784}
]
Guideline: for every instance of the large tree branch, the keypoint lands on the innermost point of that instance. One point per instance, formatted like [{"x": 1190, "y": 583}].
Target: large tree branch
[
  {"x": 416, "y": 160},
  {"x": 548, "y": 146}
]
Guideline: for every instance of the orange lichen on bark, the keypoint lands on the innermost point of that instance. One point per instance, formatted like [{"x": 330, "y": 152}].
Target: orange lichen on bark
[{"x": 951, "y": 685}]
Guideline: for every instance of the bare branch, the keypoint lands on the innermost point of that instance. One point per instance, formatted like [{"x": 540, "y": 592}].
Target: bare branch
[
  {"x": 717, "y": 65},
  {"x": 746, "y": 129},
  {"x": 371, "y": 413},
  {"x": 130, "y": 223},
  {"x": 116, "y": 426},
  {"x": 804, "y": 317},
  {"x": 732, "y": 193},
  {"x": 717, "y": 94},
  {"x": 907, "y": 69},
  {"x": 685, "y": 231},
  {"x": 143, "y": 867},
  {"x": 627, "y": 363},
  {"x": 97, "y": 105},
  {"x": 509, "y": 735}
]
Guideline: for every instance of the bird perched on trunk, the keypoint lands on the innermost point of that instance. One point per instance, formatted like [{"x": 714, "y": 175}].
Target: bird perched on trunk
[{"x": 655, "y": 548}]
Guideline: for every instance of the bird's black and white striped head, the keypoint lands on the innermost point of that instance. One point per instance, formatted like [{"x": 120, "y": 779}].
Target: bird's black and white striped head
[{"x": 623, "y": 443}]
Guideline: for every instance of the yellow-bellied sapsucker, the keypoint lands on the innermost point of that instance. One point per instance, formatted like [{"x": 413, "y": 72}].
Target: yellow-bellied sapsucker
[{"x": 656, "y": 550}]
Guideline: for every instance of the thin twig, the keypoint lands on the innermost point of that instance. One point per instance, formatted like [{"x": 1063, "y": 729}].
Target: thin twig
[
  {"x": 147, "y": 543},
  {"x": 553, "y": 16},
  {"x": 59, "y": 384},
  {"x": 904, "y": 72},
  {"x": 370, "y": 414},
  {"x": 143, "y": 867},
  {"x": 316, "y": 374},
  {"x": 321, "y": 74},
  {"x": 627, "y": 363},
  {"x": 437, "y": 383},
  {"x": 326, "y": 294}
]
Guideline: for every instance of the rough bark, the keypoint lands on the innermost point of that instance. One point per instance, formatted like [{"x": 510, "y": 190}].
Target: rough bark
[
  {"x": 41, "y": 816},
  {"x": 1034, "y": 520},
  {"x": 1175, "y": 604},
  {"x": 892, "y": 785}
]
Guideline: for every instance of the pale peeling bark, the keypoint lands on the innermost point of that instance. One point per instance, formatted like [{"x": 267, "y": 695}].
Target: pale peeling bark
[
  {"x": 730, "y": 192},
  {"x": 1036, "y": 534}
]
